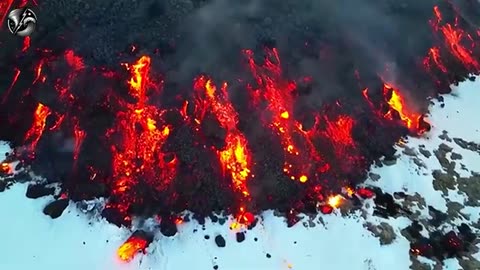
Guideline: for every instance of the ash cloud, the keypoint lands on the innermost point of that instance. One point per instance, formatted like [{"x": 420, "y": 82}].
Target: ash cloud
[
  {"x": 327, "y": 40},
  {"x": 322, "y": 39}
]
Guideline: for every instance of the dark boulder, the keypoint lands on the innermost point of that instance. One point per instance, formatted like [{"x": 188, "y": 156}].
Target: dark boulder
[
  {"x": 240, "y": 237},
  {"x": 220, "y": 241},
  {"x": 36, "y": 191},
  {"x": 168, "y": 226},
  {"x": 55, "y": 209}
]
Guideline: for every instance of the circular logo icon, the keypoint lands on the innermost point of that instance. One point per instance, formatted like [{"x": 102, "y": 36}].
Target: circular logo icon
[{"x": 22, "y": 21}]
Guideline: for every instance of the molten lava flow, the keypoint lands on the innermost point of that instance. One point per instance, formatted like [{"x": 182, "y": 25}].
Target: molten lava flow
[
  {"x": 5, "y": 168},
  {"x": 38, "y": 126},
  {"x": 62, "y": 85},
  {"x": 455, "y": 39},
  {"x": 397, "y": 104},
  {"x": 5, "y": 6},
  {"x": 278, "y": 94},
  {"x": 79, "y": 137},
  {"x": 397, "y": 109},
  {"x": 235, "y": 157},
  {"x": 74, "y": 61},
  {"x": 17, "y": 73},
  {"x": 26, "y": 44},
  {"x": 335, "y": 201},
  {"x": 142, "y": 133},
  {"x": 127, "y": 251},
  {"x": 434, "y": 58},
  {"x": 38, "y": 72},
  {"x": 340, "y": 131}
]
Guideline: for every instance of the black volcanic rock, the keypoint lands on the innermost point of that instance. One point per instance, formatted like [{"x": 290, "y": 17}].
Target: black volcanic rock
[
  {"x": 89, "y": 190},
  {"x": 114, "y": 216},
  {"x": 3, "y": 185},
  {"x": 168, "y": 226},
  {"x": 55, "y": 209},
  {"x": 220, "y": 241},
  {"x": 385, "y": 205},
  {"x": 35, "y": 191},
  {"x": 438, "y": 217},
  {"x": 240, "y": 236}
]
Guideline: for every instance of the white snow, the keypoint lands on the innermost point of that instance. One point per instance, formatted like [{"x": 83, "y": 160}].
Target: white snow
[{"x": 31, "y": 240}]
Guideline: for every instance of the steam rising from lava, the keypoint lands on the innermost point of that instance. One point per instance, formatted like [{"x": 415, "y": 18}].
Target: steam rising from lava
[{"x": 246, "y": 111}]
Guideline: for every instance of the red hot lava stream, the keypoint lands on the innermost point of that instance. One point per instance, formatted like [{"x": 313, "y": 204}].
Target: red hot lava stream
[
  {"x": 141, "y": 133},
  {"x": 235, "y": 158}
]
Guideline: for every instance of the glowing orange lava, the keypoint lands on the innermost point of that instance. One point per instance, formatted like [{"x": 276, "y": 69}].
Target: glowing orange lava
[
  {"x": 235, "y": 157},
  {"x": 26, "y": 44},
  {"x": 340, "y": 131},
  {"x": 17, "y": 73},
  {"x": 142, "y": 134},
  {"x": 79, "y": 135},
  {"x": 5, "y": 6},
  {"x": 397, "y": 104},
  {"x": 279, "y": 96},
  {"x": 434, "y": 58},
  {"x": 242, "y": 219},
  {"x": 127, "y": 251},
  {"x": 335, "y": 201},
  {"x": 74, "y": 61},
  {"x": 5, "y": 168},
  {"x": 456, "y": 39},
  {"x": 38, "y": 126}
]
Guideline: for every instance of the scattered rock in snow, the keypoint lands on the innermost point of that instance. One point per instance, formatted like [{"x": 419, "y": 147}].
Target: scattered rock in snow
[
  {"x": 374, "y": 176},
  {"x": 3, "y": 185},
  {"x": 472, "y": 146},
  {"x": 444, "y": 136},
  {"x": 35, "y": 191},
  {"x": 471, "y": 187},
  {"x": 417, "y": 265},
  {"x": 383, "y": 231},
  {"x": 445, "y": 148},
  {"x": 455, "y": 156},
  {"x": 390, "y": 161},
  {"x": 240, "y": 236},
  {"x": 220, "y": 241},
  {"x": 469, "y": 263},
  {"x": 419, "y": 162},
  {"x": 453, "y": 210},
  {"x": 438, "y": 217},
  {"x": 55, "y": 209},
  {"x": 424, "y": 151},
  {"x": 409, "y": 201},
  {"x": 385, "y": 206},
  {"x": 409, "y": 151},
  {"x": 441, "y": 156},
  {"x": 443, "y": 181}
]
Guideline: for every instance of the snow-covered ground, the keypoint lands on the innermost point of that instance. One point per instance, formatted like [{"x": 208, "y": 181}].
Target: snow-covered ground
[{"x": 31, "y": 240}]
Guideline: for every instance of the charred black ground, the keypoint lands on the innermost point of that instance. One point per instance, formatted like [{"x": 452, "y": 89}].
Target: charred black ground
[{"x": 332, "y": 50}]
